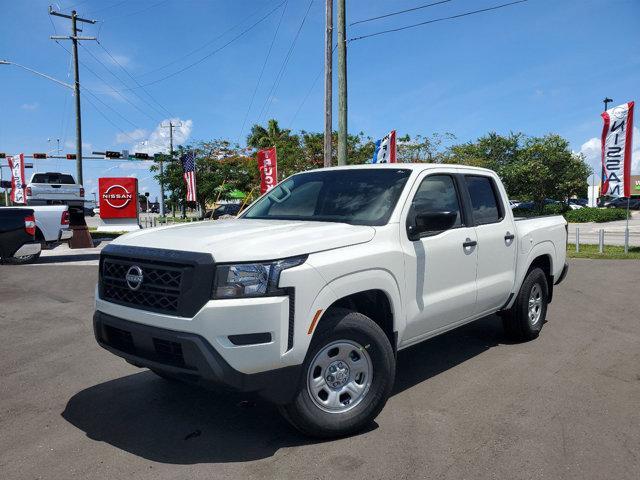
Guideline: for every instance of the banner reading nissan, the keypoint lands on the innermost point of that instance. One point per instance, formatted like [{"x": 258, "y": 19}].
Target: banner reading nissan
[
  {"x": 616, "y": 150},
  {"x": 268, "y": 166},
  {"x": 16, "y": 165}
]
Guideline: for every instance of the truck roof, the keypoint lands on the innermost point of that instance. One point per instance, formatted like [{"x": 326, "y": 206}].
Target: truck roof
[{"x": 410, "y": 166}]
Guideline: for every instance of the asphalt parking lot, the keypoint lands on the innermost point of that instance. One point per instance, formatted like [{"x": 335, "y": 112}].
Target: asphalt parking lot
[{"x": 466, "y": 405}]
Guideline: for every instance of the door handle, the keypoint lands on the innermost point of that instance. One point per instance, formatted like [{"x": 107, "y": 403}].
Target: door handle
[
  {"x": 509, "y": 236},
  {"x": 468, "y": 243}
]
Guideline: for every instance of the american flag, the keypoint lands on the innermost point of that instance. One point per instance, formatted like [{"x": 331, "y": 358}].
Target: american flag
[{"x": 189, "y": 168}]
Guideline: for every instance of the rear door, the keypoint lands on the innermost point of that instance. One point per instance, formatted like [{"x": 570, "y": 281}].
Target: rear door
[
  {"x": 440, "y": 267},
  {"x": 495, "y": 232}
]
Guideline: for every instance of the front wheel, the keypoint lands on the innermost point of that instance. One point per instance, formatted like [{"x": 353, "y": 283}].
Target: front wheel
[
  {"x": 527, "y": 316},
  {"x": 347, "y": 377}
]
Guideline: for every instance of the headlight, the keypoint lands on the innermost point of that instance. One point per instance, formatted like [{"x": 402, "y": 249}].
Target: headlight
[{"x": 252, "y": 279}]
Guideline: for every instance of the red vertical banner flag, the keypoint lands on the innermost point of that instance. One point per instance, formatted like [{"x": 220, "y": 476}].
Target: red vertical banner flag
[
  {"x": 268, "y": 166},
  {"x": 18, "y": 183},
  {"x": 616, "y": 150}
]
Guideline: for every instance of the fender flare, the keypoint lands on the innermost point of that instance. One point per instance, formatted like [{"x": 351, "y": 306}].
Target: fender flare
[
  {"x": 360, "y": 281},
  {"x": 542, "y": 249}
]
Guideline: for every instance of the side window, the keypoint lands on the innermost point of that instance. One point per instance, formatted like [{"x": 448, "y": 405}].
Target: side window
[
  {"x": 487, "y": 207},
  {"x": 436, "y": 196}
]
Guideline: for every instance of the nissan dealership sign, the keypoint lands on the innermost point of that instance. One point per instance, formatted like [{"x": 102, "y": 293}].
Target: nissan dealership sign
[{"x": 118, "y": 197}]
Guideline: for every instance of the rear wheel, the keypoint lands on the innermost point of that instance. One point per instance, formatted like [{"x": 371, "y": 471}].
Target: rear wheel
[
  {"x": 347, "y": 377},
  {"x": 527, "y": 316}
]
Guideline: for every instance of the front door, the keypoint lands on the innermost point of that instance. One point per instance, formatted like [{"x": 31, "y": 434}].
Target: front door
[{"x": 441, "y": 265}]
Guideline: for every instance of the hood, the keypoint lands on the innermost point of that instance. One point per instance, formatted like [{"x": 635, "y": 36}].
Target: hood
[{"x": 243, "y": 240}]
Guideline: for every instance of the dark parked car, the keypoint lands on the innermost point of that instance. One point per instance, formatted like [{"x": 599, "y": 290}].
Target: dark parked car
[
  {"x": 621, "y": 202},
  {"x": 583, "y": 202},
  {"x": 532, "y": 205},
  {"x": 18, "y": 235},
  {"x": 225, "y": 209}
]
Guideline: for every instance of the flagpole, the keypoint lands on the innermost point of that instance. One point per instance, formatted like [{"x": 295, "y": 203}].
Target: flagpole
[{"x": 626, "y": 228}]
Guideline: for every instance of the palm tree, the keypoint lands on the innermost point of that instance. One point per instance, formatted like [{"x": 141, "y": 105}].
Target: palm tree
[{"x": 261, "y": 137}]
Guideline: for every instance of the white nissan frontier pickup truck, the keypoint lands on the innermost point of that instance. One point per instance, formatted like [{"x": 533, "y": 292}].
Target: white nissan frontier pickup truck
[{"x": 307, "y": 296}]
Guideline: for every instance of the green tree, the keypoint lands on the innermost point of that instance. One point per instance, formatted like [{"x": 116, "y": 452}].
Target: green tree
[
  {"x": 429, "y": 149},
  {"x": 546, "y": 168},
  {"x": 290, "y": 153},
  {"x": 491, "y": 151}
]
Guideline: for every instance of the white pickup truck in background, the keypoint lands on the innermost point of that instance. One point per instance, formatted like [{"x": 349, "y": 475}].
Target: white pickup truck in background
[
  {"x": 51, "y": 228},
  {"x": 53, "y": 188},
  {"x": 309, "y": 294}
]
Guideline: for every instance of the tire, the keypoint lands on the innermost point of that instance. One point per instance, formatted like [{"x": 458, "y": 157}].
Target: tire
[
  {"x": 358, "y": 353},
  {"x": 23, "y": 260},
  {"x": 519, "y": 322}
]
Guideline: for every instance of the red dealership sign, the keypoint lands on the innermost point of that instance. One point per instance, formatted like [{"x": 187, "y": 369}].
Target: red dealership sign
[
  {"x": 118, "y": 197},
  {"x": 268, "y": 166}
]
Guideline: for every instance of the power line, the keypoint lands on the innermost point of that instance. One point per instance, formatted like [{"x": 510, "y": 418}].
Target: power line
[
  {"x": 306, "y": 97},
  {"x": 255, "y": 90},
  {"x": 121, "y": 81},
  {"x": 110, "y": 6},
  {"x": 111, "y": 87},
  {"x": 399, "y": 12},
  {"x": 133, "y": 78},
  {"x": 157, "y": 4},
  {"x": 304, "y": 100},
  {"x": 241, "y": 34},
  {"x": 201, "y": 47},
  {"x": 280, "y": 74},
  {"x": 436, "y": 20},
  {"x": 108, "y": 119}
]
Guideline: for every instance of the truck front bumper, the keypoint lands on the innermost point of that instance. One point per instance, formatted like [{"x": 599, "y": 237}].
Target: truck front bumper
[{"x": 190, "y": 357}]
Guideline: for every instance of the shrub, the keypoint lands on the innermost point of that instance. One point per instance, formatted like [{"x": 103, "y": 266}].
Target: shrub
[
  {"x": 551, "y": 209},
  {"x": 581, "y": 215},
  {"x": 598, "y": 215}
]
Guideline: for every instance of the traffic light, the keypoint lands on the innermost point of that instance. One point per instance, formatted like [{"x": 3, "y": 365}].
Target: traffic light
[
  {"x": 141, "y": 156},
  {"x": 40, "y": 155},
  {"x": 109, "y": 154},
  {"x": 71, "y": 156}
]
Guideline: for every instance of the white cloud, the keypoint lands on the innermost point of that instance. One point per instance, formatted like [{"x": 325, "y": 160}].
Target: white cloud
[
  {"x": 133, "y": 135},
  {"x": 158, "y": 140},
  {"x": 71, "y": 145},
  {"x": 592, "y": 151},
  {"x": 116, "y": 58},
  {"x": 135, "y": 165},
  {"x": 29, "y": 106}
]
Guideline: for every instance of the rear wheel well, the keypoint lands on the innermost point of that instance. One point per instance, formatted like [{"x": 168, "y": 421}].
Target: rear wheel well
[
  {"x": 374, "y": 304},
  {"x": 543, "y": 262},
  {"x": 39, "y": 235}
]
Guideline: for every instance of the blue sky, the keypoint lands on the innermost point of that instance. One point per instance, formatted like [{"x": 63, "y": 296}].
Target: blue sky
[{"x": 537, "y": 67}]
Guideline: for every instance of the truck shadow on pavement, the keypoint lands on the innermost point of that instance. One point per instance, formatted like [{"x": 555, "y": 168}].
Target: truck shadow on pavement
[{"x": 174, "y": 423}]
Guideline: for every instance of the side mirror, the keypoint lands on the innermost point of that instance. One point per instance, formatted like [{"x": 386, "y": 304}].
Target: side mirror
[{"x": 431, "y": 223}]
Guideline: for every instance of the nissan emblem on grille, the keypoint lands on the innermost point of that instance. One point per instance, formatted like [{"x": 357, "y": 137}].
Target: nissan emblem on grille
[{"x": 134, "y": 277}]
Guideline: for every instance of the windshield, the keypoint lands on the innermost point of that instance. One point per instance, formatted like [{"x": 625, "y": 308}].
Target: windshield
[
  {"x": 53, "y": 178},
  {"x": 358, "y": 196}
]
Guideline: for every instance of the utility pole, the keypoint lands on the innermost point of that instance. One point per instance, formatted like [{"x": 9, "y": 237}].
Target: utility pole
[
  {"x": 171, "y": 126},
  {"x": 76, "y": 84},
  {"x": 328, "y": 83},
  {"x": 342, "y": 84}
]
